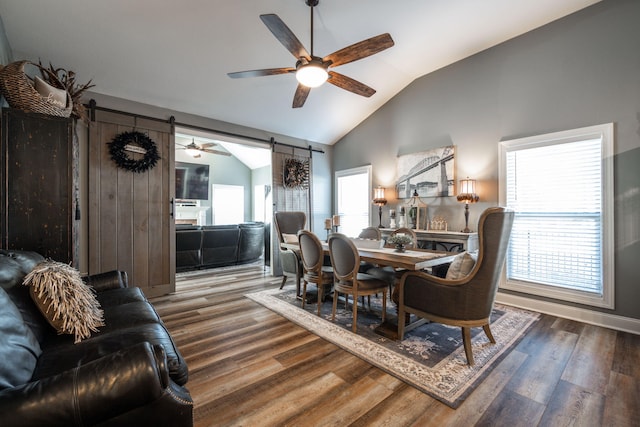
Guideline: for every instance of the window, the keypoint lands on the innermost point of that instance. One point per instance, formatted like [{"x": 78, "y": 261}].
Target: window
[
  {"x": 560, "y": 186},
  {"x": 228, "y": 204},
  {"x": 353, "y": 199}
]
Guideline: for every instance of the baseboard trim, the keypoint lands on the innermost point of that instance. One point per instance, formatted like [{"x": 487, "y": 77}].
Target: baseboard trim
[{"x": 591, "y": 317}]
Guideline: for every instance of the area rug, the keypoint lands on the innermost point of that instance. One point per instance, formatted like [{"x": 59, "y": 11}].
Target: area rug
[{"x": 430, "y": 358}]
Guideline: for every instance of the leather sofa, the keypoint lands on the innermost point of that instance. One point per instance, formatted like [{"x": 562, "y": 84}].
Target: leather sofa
[
  {"x": 218, "y": 245},
  {"x": 128, "y": 373}
]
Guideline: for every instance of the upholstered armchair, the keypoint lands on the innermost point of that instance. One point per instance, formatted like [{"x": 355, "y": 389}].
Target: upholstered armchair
[
  {"x": 287, "y": 225},
  {"x": 465, "y": 301}
]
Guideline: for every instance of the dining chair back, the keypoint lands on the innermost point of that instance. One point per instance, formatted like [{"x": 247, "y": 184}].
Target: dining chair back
[
  {"x": 347, "y": 280},
  {"x": 315, "y": 272},
  {"x": 408, "y": 231},
  {"x": 370, "y": 233}
]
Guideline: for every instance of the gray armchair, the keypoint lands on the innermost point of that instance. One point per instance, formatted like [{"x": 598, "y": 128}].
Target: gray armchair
[
  {"x": 288, "y": 224},
  {"x": 468, "y": 301}
]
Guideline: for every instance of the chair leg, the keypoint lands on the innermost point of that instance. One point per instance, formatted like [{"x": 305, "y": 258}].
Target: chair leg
[
  {"x": 355, "y": 314},
  {"x": 320, "y": 297},
  {"x": 384, "y": 306},
  {"x": 487, "y": 331},
  {"x": 304, "y": 293},
  {"x": 335, "y": 305},
  {"x": 400, "y": 324},
  {"x": 284, "y": 280},
  {"x": 466, "y": 339}
]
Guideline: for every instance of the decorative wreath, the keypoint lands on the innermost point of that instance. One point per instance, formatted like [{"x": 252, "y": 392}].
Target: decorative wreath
[
  {"x": 296, "y": 173},
  {"x": 118, "y": 151}
]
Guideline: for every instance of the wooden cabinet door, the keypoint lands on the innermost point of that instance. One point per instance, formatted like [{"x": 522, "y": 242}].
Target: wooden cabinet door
[
  {"x": 39, "y": 185},
  {"x": 131, "y": 227}
]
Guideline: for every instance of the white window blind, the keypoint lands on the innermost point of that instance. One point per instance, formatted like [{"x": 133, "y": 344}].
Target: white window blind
[
  {"x": 353, "y": 200},
  {"x": 228, "y": 204},
  {"x": 555, "y": 186}
]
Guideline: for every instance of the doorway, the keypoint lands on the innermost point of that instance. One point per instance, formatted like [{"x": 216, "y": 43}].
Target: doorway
[{"x": 237, "y": 199}]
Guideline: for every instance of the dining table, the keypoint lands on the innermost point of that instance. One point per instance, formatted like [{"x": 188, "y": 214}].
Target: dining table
[{"x": 409, "y": 259}]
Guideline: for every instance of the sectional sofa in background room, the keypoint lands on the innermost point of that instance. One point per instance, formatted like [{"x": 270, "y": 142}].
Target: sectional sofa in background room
[{"x": 211, "y": 246}]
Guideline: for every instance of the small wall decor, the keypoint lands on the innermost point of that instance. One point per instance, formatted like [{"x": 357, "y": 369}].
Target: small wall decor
[
  {"x": 134, "y": 142},
  {"x": 429, "y": 173},
  {"x": 295, "y": 173}
]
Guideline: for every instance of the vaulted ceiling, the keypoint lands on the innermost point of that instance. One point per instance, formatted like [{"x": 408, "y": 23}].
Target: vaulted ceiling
[{"x": 176, "y": 54}]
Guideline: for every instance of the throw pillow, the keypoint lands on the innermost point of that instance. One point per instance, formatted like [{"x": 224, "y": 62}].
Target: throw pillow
[
  {"x": 461, "y": 266},
  {"x": 20, "y": 350},
  {"x": 57, "y": 97},
  {"x": 290, "y": 238},
  {"x": 367, "y": 243},
  {"x": 68, "y": 304}
]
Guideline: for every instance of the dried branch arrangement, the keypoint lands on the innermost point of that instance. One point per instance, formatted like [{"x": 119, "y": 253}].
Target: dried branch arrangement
[{"x": 66, "y": 79}]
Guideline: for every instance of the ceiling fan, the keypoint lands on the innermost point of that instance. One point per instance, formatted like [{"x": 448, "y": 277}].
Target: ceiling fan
[
  {"x": 312, "y": 71},
  {"x": 196, "y": 150}
]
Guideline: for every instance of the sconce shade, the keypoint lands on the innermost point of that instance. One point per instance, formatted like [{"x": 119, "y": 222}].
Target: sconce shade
[
  {"x": 467, "y": 192},
  {"x": 378, "y": 196}
]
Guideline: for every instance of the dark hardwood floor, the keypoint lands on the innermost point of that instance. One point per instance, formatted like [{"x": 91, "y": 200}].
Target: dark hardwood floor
[{"x": 251, "y": 367}]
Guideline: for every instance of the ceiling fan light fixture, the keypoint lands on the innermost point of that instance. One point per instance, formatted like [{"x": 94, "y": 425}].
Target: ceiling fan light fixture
[
  {"x": 312, "y": 73},
  {"x": 192, "y": 150}
]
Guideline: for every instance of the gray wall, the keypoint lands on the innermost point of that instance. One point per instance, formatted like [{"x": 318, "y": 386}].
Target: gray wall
[{"x": 578, "y": 71}]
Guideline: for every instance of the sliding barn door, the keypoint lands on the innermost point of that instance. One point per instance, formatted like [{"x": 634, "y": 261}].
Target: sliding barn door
[
  {"x": 290, "y": 194},
  {"x": 131, "y": 227}
]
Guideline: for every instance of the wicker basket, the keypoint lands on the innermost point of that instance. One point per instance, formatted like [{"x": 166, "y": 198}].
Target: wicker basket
[{"x": 20, "y": 93}]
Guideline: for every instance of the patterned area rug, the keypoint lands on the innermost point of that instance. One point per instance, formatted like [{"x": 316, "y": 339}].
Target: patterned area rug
[{"x": 430, "y": 358}]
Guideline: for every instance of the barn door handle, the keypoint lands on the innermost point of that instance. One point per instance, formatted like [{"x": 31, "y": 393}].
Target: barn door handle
[{"x": 171, "y": 208}]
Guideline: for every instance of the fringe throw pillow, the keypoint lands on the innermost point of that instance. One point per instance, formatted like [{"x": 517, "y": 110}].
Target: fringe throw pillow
[{"x": 68, "y": 304}]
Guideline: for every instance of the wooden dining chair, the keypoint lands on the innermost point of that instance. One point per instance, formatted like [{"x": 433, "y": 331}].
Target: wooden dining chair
[
  {"x": 312, "y": 262},
  {"x": 346, "y": 261},
  {"x": 465, "y": 301}
]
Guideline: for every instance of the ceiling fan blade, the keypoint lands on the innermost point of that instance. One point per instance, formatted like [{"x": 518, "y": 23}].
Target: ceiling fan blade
[
  {"x": 285, "y": 35},
  {"x": 360, "y": 50},
  {"x": 208, "y": 145},
  {"x": 261, "y": 73},
  {"x": 301, "y": 96},
  {"x": 347, "y": 83},
  {"x": 221, "y": 153}
]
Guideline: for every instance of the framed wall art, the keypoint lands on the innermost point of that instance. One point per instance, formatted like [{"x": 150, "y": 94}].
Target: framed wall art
[{"x": 430, "y": 173}]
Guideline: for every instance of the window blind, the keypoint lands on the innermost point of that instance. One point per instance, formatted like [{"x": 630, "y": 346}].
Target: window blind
[{"x": 555, "y": 190}]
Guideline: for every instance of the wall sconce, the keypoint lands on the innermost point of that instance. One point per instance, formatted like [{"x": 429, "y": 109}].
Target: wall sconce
[
  {"x": 414, "y": 207},
  {"x": 380, "y": 201},
  {"x": 467, "y": 195}
]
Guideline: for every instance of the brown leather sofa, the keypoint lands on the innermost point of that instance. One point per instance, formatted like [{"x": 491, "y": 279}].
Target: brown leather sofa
[{"x": 128, "y": 373}]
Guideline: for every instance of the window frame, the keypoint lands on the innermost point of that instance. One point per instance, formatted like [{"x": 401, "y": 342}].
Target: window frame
[
  {"x": 604, "y": 132},
  {"x": 349, "y": 172}
]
